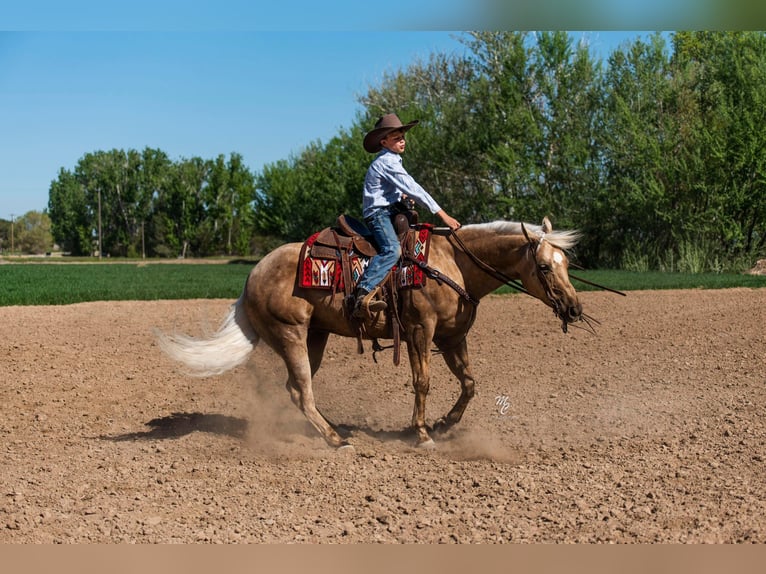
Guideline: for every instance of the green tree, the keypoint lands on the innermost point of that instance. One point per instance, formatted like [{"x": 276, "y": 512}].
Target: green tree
[
  {"x": 242, "y": 199},
  {"x": 110, "y": 181},
  {"x": 651, "y": 154},
  {"x": 505, "y": 124},
  {"x": 306, "y": 193},
  {"x": 68, "y": 209},
  {"x": 639, "y": 142},
  {"x": 179, "y": 209},
  {"x": 33, "y": 233},
  {"x": 229, "y": 198},
  {"x": 5, "y": 235},
  {"x": 725, "y": 76},
  {"x": 154, "y": 174},
  {"x": 566, "y": 101}
]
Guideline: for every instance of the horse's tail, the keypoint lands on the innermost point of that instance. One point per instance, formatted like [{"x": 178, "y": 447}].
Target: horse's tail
[{"x": 225, "y": 349}]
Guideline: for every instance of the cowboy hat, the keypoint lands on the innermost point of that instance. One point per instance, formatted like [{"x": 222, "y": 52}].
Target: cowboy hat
[{"x": 384, "y": 126}]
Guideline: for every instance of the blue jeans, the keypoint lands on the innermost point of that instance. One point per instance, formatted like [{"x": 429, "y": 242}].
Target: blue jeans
[{"x": 388, "y": 246}]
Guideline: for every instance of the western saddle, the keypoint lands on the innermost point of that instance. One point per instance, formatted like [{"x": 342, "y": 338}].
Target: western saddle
[{"x": 350, "y": 237}]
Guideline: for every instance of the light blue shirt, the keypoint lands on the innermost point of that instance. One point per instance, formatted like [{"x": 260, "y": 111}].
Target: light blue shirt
[{"x": 387, "y": 180}]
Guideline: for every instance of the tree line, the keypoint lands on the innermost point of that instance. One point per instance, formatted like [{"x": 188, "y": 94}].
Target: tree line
[
  {"x": 29, "y": 233},
  {"x": 656, "y": 155},
  {"x": 131, "y": 203}
]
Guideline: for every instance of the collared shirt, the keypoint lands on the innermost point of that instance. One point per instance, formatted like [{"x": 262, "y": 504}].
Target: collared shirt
[{"x": 387, "y": 180}]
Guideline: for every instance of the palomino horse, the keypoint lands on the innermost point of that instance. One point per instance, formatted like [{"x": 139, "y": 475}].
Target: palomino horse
[{"x": 296, "y": 323}]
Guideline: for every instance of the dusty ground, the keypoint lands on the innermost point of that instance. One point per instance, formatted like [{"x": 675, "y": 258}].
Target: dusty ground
[{"x": 652, "y": 431}]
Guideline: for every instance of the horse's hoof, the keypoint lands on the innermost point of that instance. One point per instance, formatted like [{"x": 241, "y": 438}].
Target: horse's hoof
[
  {"x": 346, "y": 449},
  {"x": 427, "y": 444},
  {"x": 440, "y": 426}
]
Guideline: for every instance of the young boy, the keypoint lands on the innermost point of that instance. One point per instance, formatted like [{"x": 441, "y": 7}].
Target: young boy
[{"x": 386, "y": 183}]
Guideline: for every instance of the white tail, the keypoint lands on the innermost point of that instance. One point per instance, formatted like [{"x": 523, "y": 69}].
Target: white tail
[{"x": 227, "y": 348}]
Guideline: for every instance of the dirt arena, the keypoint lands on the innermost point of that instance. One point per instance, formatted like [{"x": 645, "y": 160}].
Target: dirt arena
[{"x": 652, "y": 431}]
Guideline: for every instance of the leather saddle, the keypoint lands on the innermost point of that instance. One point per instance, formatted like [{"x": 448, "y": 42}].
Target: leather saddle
[
  {"x": 347, "y": 235},
  {"x": 351, "y": 235}
]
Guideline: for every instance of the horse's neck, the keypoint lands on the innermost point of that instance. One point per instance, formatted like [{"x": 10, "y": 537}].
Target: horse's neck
[{"x": 502, "y": 252}]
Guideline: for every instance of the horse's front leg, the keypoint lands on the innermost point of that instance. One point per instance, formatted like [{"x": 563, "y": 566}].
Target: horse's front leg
[
  {"x": 418, "y": 344},
  {"x": 456, "y": 358}
]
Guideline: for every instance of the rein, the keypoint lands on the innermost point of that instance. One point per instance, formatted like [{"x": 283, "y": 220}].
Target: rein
[
  {"x": 502, "y": 277},
  {"x": 510, "y": 281},
  {"x": 437, "y": 276},
  {"x": 488, "y": 269},
  {"x": 581, "y": 280},
  {"x": 541, "y": 273}
]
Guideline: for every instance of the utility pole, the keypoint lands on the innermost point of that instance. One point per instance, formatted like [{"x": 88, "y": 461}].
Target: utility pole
[
  {"x": 99, "y": 223},
  {"x": 12, "y": 216}
]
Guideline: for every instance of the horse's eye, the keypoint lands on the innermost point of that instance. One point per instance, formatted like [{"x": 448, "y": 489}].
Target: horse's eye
[{"x": 544, "y": 268}]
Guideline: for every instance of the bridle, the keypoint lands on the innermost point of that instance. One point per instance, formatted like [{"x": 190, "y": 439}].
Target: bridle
[
  {"x": 542, "y": 272},
  {"x": 496, "y": 273}
]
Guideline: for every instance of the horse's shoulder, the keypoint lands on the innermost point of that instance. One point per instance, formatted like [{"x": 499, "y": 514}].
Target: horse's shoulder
[
  {"x": 440, "y": 247},
  {"x": 441, "y": 256}
]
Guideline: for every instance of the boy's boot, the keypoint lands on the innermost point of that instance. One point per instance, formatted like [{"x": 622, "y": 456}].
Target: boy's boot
[{"x": 366, "y": 304}]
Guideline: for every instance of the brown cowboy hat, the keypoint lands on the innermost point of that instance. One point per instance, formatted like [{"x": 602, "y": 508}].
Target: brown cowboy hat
[{"x": 384, "y": 126}]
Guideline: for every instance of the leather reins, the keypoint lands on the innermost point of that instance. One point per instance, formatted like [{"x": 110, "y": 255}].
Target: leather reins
[
  {"x": 505, "y": 279},
  {"x": 488, "y": 269}
]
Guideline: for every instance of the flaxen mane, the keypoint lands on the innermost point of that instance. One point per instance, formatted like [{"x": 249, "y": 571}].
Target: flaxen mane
[{"x": 562, "y": 239}]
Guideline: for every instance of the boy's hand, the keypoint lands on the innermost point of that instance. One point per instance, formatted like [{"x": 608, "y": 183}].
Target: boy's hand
[{"x": 449, "y": 221}]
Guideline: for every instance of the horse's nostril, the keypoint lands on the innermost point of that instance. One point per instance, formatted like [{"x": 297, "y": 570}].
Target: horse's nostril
[{"x": 575, "y": 312}]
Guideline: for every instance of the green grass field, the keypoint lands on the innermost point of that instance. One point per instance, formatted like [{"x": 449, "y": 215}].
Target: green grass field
[
  {"x": 61, "y": 284},
  {"x": 636, "y": 280}
]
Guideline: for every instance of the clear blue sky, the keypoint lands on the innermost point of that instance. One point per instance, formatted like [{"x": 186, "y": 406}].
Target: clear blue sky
[{"x": 263, "y": 94}]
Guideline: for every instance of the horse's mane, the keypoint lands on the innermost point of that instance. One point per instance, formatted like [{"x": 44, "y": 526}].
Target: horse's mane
[{"x": 562, "y": 239}]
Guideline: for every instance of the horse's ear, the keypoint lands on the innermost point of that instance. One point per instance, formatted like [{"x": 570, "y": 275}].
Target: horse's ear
[{"x": 547, "y": 227}]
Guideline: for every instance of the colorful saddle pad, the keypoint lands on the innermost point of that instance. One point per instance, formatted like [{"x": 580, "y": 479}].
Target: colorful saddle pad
[{"x": 320, "y": 267}]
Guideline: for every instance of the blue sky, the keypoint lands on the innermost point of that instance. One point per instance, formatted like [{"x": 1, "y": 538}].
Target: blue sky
[{"x": 262, "y": 94}]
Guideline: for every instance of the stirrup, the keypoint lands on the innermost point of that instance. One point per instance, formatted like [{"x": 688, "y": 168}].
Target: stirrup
[{"x": 365, "y": 307}]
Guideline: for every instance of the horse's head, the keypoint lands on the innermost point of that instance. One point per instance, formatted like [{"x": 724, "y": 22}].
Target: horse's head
[{"x": 545, "y": 275}]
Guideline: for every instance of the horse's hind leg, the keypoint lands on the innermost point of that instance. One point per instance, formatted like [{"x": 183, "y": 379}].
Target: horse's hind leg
[
  {"x": 316, "y": 343},
  {"x": 301, "y": 362},
  {"x": 457, "y": 361}
]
